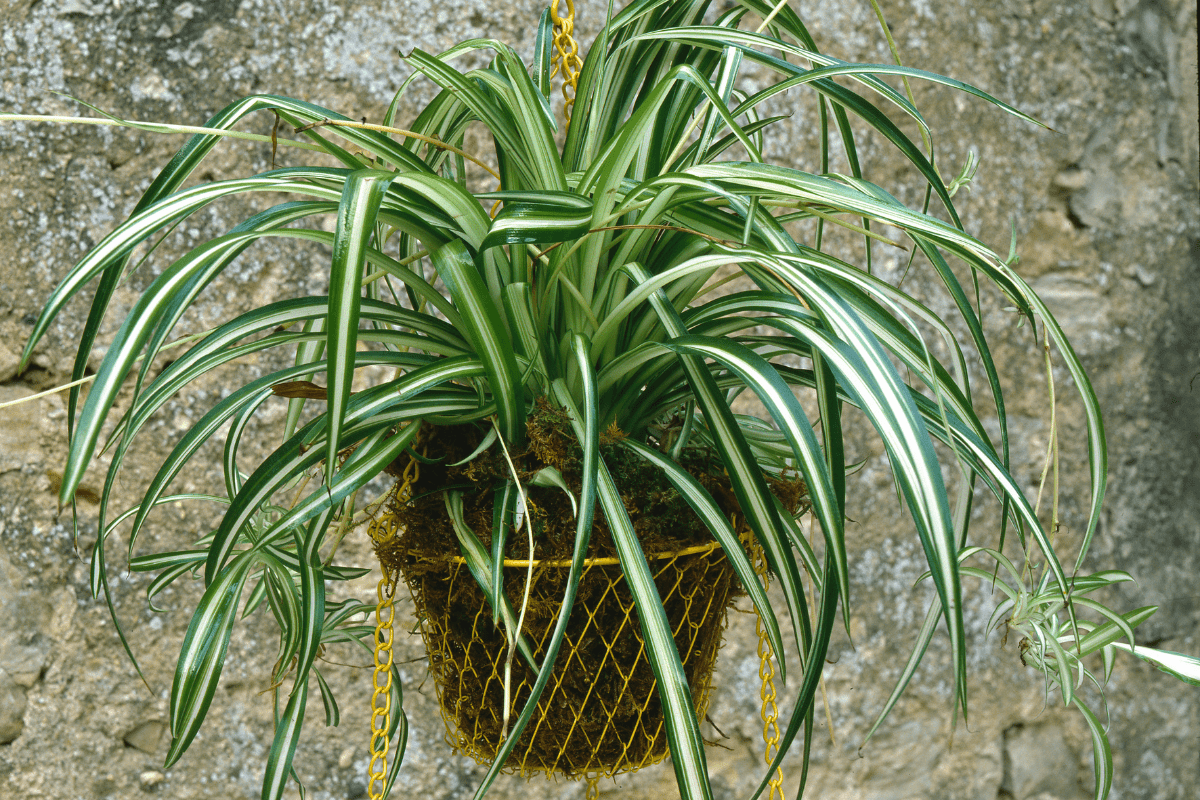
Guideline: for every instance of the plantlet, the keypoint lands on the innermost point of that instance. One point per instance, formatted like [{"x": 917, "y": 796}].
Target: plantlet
[{"x": 555, "y": 338}]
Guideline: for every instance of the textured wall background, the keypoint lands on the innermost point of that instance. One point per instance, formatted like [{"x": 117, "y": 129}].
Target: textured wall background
[{"x": 1107, "y": 215}]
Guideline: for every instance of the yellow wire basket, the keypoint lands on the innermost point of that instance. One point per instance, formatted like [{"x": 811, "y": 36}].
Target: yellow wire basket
[{"x": 600, "y": 712}]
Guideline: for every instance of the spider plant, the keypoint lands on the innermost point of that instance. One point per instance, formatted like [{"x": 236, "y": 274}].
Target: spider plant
[{"x": 592, "y": 285}]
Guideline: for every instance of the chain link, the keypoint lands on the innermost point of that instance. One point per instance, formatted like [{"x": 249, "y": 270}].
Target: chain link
[
  {"x": 385, "y": 615},
  {"x": 566, "y": 53},
  {"x": 381, "y": 699},
  {"x": 766, "y": 672}
]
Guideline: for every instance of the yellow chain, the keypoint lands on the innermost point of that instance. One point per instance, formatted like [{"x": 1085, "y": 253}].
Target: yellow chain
[
  {"x": 566, "y": 53},
  {"x": 381, "y": 700},
  {"x": 385, "y": 614},
  {"x": 593, "y": 787},
  {"x": 766, "y": 671}
]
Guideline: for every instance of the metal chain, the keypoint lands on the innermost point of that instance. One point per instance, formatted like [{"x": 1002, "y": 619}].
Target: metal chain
[
  {"x": 766, "y": 672},
  {"x": 566, "y": 53},
  {"x": 381, "y": 699},
  {"x": 593, "y": 787},
  {"x": 385, "y": 614}
]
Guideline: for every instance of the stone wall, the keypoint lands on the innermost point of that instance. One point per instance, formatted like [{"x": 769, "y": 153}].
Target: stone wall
[{"x": 1106, "y": 213}]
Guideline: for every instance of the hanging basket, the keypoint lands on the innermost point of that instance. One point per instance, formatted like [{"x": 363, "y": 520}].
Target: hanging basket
[{"x": 600, "y": 711}]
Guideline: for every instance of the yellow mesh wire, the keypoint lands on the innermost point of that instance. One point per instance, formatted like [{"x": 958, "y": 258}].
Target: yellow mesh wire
[{"x": 600, "y": 713}]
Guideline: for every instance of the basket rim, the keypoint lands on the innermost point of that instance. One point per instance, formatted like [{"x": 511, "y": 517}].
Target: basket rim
[{"x": 590, "y": 562}]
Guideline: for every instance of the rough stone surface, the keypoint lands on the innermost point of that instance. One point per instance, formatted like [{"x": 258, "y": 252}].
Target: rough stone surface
[{"x": 1105, "y": 210}]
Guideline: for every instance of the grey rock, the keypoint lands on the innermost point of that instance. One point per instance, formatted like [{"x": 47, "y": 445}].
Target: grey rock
[
  {"x": 13, "y": 701},
  {"x": 17, "y": 447},
  {"x": 9, "y": 361},
  {"x": 1115, "y": 187},
  {"x": 1072, "y": 179},
  {"x": 24, "y": 620},
  {"x": 147, "y": 736},
  {"x": 1039, "y": 763}
]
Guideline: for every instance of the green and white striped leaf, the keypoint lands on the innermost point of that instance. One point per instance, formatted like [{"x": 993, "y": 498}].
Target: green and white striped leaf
[
  {"x": 683, "y": 729},
  {"x": 365, "y": 416},
  {"x": 776, "y": 396},
  {"x": 1185, "y": 668},
  {"x": 1102, "y": 763},
  {"x": 360, "y": 202},
  {"x": 203, "y": 654},
  {"x": 537, "y": 217},
  {"x": 312, "y": 619},
  {"x": 486, "y": 332}
]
